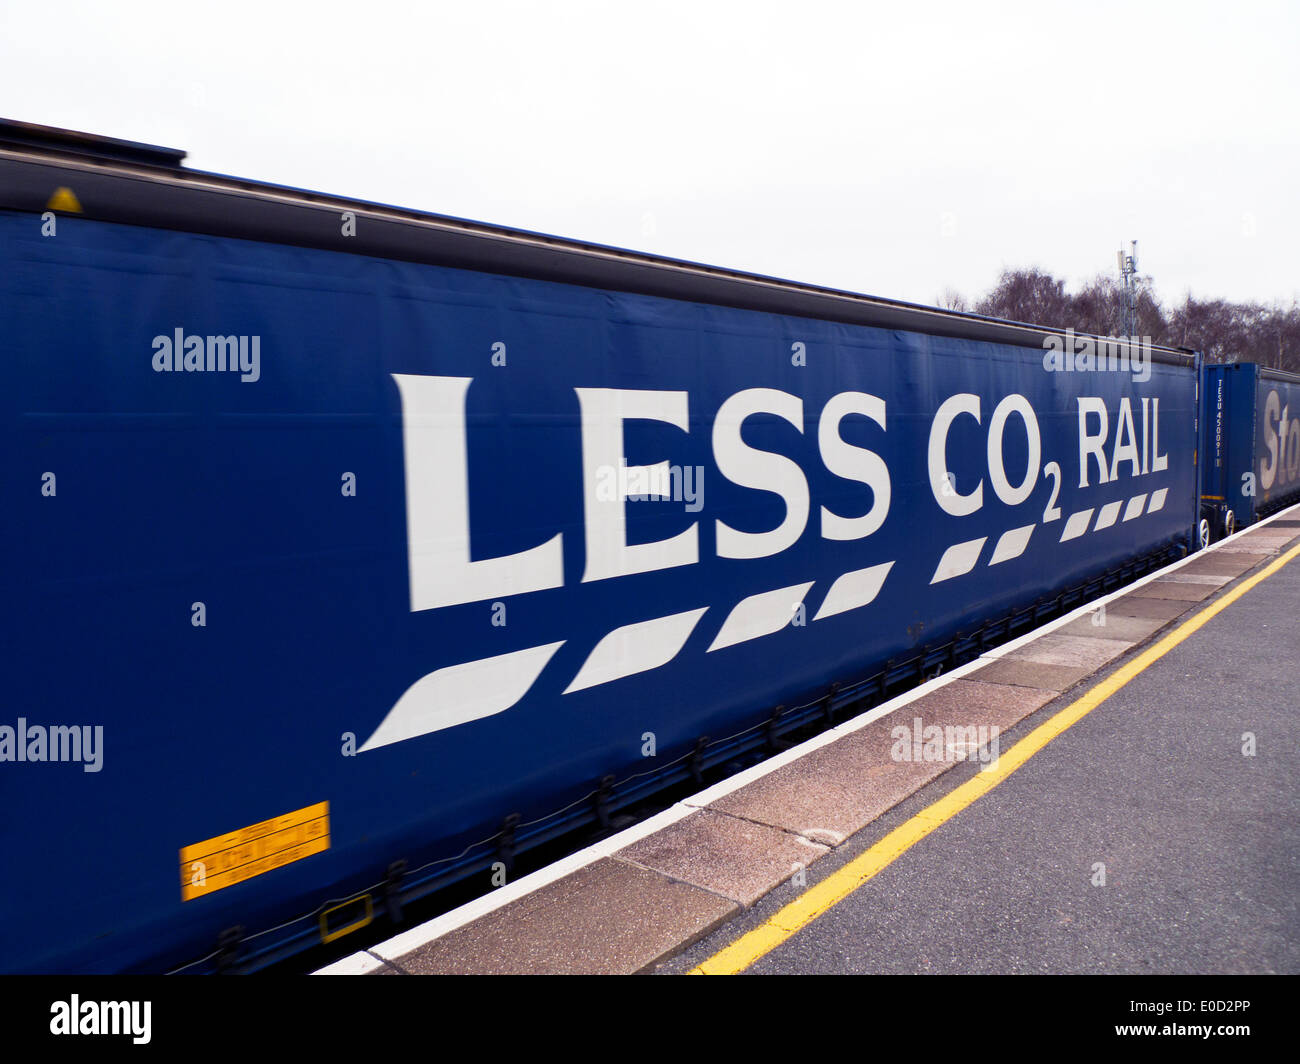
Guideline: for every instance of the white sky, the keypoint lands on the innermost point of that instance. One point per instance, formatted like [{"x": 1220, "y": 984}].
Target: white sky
[{"x": 898, "y": 149}]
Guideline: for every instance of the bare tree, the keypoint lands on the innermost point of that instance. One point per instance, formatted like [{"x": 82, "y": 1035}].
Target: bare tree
[
  {"x": 1214, "y": 327},
  {"x": 1221, "y": 330},
  {"x": 1028, "y": 295},
  {"x": 954, "y": 300},
  {"x": 1099, "y": 308}
]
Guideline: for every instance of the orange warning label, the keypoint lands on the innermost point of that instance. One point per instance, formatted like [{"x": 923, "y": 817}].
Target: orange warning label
[{"x": 239, "y": 855}]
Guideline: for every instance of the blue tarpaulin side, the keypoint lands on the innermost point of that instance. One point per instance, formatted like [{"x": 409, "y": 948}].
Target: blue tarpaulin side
[{"x": 135, "y": 493}]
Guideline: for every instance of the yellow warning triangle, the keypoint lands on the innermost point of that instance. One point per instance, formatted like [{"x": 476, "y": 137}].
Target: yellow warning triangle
[{"x": 64, "y": 199}]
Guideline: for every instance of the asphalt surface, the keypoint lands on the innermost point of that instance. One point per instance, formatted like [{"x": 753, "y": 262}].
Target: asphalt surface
[{"x": 1200, "y": 843}]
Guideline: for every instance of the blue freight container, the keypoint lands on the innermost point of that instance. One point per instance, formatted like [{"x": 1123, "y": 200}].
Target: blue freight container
[
  {"x": 325, "y": 559},
  {"x": 1251, "y": 440}
]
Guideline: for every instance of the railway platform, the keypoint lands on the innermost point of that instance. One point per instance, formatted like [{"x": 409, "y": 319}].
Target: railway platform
[{"x": 1113, "y": 792}]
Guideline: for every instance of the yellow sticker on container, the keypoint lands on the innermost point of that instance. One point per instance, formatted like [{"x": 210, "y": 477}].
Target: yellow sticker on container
[{"x": 239, "y": 855}]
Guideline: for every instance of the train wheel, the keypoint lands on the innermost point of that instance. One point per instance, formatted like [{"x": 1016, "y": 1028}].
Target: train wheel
[
  {"x": 1229, "y": 523},
  {"x": 1203, "y": 532}
]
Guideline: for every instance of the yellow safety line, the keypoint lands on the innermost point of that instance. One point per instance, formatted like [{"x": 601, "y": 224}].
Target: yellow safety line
[{"x": 840, "y": 884}]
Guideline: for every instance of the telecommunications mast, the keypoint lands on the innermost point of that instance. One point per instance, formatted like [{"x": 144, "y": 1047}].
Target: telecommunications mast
[{"x": 1128, "y": 268}]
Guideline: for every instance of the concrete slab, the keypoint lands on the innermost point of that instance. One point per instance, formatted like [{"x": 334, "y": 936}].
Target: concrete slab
[
  {"x": 1134, "y": 606},
  {"x": 1265, "y": 539},
  {"x": 1053, "y": 678},
  {"x": 736, "y": 858},
  {"x": 1172, "y": 589},
  {"x": 965, "y": 702},
  {"x": 1075, "y": 651},
  {"x": 835, "y": 791},
  {"x": 1208, "y": 579},
  {"x": 1259, "y": 552},
  {"x": 1218, "y": 563},
  {"x": 1113, "y": 626},
  {"x": 840, "y": 788},
  {"x": 610, "y": 917}
]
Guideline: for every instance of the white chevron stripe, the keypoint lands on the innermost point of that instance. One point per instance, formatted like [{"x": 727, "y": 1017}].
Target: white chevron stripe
[
  {"x": 636, "y": 648},
  {"x": 1077, "y": 525},
  {"x": 1012, "y": 544},
  {"x": 1108, "y": 515},
  {"x": 1157, "y": 500},
  {"x": 458, "y": 694},
  {"x": 958, "y": 560},
  {"x": 760, "y": 615},
  {"x": 853, "y": 590},
  {"x": 1134, "y": 508}
]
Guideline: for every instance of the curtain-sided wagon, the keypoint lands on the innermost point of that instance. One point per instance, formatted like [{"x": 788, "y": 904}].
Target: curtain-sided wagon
[{"x": 373, "y": 546}]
